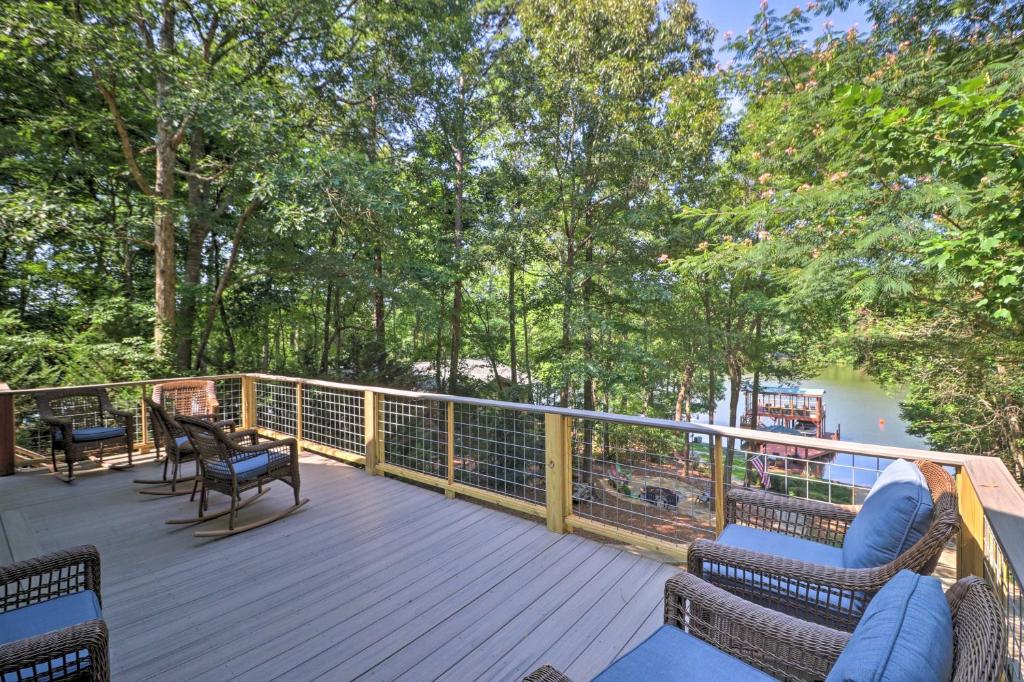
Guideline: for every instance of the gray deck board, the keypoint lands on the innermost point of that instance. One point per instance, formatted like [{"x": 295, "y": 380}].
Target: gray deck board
[{"x": 375, "y": 579}]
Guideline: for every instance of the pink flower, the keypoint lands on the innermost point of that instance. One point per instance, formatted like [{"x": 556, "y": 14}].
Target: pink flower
[
  {"x": 764, "y": 5},
  {"x": 811, "y": 6},
  {"x": 828, "y": 25},
  {"x": 790, "y": 151},
  {"x": 727, "y": 36},
  {"x": 764, "y": 177},
  {"x": 663, "y": 258}
]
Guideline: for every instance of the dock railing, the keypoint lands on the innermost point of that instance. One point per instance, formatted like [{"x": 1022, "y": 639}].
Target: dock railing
[{"x": 653, "y": 483}]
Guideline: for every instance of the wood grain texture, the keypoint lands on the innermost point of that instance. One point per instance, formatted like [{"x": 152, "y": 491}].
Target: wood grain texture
[{"x": 373, "y": 579}]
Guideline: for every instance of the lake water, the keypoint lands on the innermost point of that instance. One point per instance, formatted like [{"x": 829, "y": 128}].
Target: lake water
[{"x": 864, "y": 411}]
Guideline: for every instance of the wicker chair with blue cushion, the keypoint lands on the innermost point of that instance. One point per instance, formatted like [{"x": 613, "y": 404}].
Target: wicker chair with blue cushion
[
  {"x": 910, "y": 632},
  {"x": 235, "y": 463},
  {"x": 51, "y": 623},
  {"x": 823, "y": 562},
  {"x": 83, "y": 421}
]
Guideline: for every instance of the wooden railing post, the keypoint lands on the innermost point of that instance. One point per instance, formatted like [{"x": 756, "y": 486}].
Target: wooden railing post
[
  {"x": 451, "y": 449},
  {"x": 248, "y": 402},
  {"x": 558, "y": 481},
  {"x": 144, "y": 441},
  {"x": 6, "y": 431},
  {"x": 298, "y": 414},
  {"x": 370, "y": 431},
  {"x": 970, "y": 549},
  {"x": 718, "y": 462}
]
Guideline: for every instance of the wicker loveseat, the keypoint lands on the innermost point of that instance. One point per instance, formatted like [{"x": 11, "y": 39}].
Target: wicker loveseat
[
  {"x": 793, "y": 555},
  {"x": 51, "y": 625},
  {"x": 710, "y": 634}
]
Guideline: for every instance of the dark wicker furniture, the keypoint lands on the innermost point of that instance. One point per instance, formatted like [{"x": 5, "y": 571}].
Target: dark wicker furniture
[
  {"x": 824, "y": 594},
  {"x": 83, "y": 421},
  {"x": 230, "y": 465},
  {"x": 789, "y": 648},
  {"x": 169, "y": 436},
  {"x": 57, "y": 654}
]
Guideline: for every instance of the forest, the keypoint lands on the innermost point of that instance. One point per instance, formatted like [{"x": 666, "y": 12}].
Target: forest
[{"x": 583, "y": 196}]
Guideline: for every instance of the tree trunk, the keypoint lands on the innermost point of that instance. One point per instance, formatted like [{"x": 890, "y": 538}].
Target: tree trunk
[
  {"x": 456, "y": 312},
  {"x": 198, "y": 229},
  {"x": 513, "y": 360},
  {"x": 163, "y": 187},
  {"x": 225, "y": 279}
]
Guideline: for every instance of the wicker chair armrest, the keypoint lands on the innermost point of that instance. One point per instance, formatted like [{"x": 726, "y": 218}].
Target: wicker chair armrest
[
  {"x": 19, "y": 590},
  {"x": 269, "y": 445},
  {"x": 777, "y": 643},
  {"x": 546, "y": 673},
  {"x": 859, "y": 579},
  {"x": 42, "y": 649},
  {"x": 56, "y": 421},
  {"x": 237, "y": 437},
  {"x": 811, "y": 519}
]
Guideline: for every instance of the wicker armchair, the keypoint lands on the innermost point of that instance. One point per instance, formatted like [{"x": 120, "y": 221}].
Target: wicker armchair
[
  {"x": 789, "y": 648},
  {"x": 230, "y": 465},
  {"x": 76, "y": 651},
  {"x": 829, "y": 595},
  {"x": 83, "y": 421}
]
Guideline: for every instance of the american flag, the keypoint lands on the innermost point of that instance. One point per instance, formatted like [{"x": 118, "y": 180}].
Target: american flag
[{"x": 760, "y": 463}]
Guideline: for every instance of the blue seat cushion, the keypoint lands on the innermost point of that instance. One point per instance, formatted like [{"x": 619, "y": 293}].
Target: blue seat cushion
[
  {"x": 672, "y": 655},
  {"x": 182, "y": 441},
  {"x": 91, "y": 433},
  {"x": 789, "y": 547},
  {"x": 47, "y": 616},
  {"x": 251, "y": 467},
  {"x": 766, "y": 541},
  {"x": 896, "y": 513},
  {"x": 906, "y": 634}
]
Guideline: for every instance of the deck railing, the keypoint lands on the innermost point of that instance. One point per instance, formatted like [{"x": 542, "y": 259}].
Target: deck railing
[{"x": 653, "y": 483}]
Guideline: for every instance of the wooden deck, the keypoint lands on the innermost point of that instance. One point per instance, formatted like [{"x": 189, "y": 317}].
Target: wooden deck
[{"x": 375, "y": 579}]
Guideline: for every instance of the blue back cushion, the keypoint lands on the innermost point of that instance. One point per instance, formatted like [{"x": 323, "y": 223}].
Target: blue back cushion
[
  {"x": 896, "y": 513},
  {"x": 906, "y": 635}
]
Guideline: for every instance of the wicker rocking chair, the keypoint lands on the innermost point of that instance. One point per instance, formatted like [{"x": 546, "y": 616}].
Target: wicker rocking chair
[
  {"x": 188, "y": 398},
  {"x": 83, "y": 421},
  {"x": 230, "y": 465},
  {"x": 748, "y": 638},
  {"x": 828, "y": 594},
  {"x": 169, "y": 435},
  {"x": 51, "y": 621}
]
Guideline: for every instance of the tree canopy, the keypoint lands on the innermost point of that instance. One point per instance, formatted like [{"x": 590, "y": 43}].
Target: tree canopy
[{"x": 572, "y": 193}]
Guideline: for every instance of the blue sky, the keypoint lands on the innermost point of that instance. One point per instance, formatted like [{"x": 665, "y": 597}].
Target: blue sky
[{"x": 736, "y": 15}]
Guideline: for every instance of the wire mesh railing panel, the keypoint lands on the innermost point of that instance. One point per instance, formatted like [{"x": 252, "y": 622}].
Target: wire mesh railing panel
[
  {"x": 229, "y": 396},
  {"x": 500, "y": 450},
  {"x": 1007, "y": 587},
  {"x": 647, "y": 480},
  {"x": 827, "y": 476},
  {"x": 276, "y": 407},
  {"x": 415, "y": 434},
  {"x": 333, "y": 417}
]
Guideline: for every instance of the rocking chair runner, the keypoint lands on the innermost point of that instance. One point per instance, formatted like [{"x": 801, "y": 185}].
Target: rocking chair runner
[
  {"x": 82, "y": 420},
  {"x": 227, "y": 465}
]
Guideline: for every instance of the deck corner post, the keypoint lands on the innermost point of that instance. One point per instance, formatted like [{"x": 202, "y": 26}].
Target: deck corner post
[
  {"x": 6, "y": 431},
  {"x": 970, "y": 549},
  {"x": 558, "y": 478},
  {"x": 144, "y": 441},
  {"x": 370, "y": 441},
  {"x": 248, "y": 402},
  {"x": 718, "y": 464}
]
